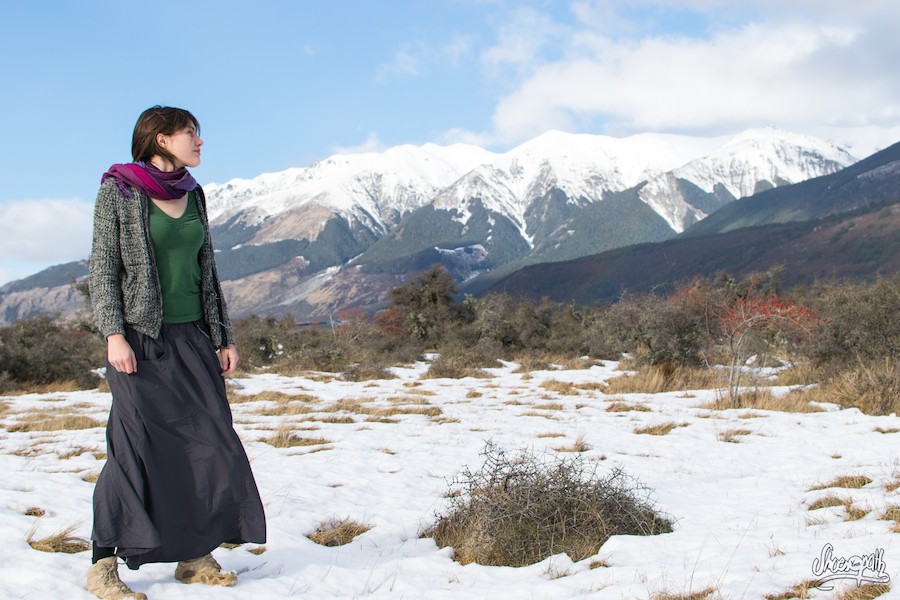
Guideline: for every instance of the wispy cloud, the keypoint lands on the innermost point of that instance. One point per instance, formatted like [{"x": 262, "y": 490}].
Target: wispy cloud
[
  {"x": 371, "y": 144},
  {"x": 40, "y": 233},
  {"x": 800, "y": 65},
  {"x": 403, "y": 65}
]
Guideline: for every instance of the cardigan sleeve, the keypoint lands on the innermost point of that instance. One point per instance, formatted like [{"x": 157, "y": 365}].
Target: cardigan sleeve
[{"x": 106, "y": 264}]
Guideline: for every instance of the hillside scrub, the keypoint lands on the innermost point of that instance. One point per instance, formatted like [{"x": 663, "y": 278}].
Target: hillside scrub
[
  {"x": 838, "y": 331},
  {"x": 39, "y": 351}
]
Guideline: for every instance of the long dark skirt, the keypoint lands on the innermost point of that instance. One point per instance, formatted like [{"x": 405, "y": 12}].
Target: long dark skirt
[{"x": 177, "y": 482}]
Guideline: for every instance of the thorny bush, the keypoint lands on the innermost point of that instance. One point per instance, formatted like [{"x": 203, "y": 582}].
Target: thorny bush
[{"x": 519, "y": 509}]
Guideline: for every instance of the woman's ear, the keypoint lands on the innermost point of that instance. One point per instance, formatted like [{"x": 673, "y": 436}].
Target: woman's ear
[{"x": 161, "y": 140}]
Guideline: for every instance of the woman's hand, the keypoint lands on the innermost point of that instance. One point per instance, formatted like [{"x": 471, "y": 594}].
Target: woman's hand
[
  {"x": 228, "y": 357},
  {"x": 120, "y": 354}
]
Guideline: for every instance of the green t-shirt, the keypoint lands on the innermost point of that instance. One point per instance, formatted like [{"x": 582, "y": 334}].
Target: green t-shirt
[{"x": 176, "y": 244}]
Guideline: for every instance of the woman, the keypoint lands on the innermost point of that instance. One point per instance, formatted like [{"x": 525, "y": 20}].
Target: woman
[{"x": 177, "y": 482}]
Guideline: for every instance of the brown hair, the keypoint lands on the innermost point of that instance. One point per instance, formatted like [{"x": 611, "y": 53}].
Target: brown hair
[{"x": 155, "y": 120}]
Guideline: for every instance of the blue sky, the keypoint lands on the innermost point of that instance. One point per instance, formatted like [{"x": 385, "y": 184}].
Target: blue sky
[{"x": 278, "y": 84}]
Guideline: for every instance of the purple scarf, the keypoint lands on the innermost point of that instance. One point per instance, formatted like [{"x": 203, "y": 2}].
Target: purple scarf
[{"x": 143, "y": 176}]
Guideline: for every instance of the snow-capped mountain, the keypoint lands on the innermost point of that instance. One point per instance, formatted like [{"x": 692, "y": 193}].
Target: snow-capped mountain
[
  {"x": 376, "y": 189},
  {"x": 299, "y": 237}
]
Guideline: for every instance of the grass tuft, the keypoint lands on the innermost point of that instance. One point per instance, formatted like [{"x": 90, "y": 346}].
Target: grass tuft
[
  {"x": 579, "y": 445},
  {"x": 732, "y": 435},
  {"x": 42, "y": 421},
  {"x": 284, "y": 437},
  {"x": 660, "y": 429},
  {"x": 867, "y": 591},
  {"x": 337, "y": 532},
  {"x": 844, "y": 481},
  {"x": 61, "y": 541},
  {"x": 701, "y": 595}
]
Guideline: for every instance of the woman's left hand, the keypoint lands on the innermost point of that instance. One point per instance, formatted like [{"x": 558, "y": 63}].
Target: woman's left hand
[{"x": 228, "y": 357}]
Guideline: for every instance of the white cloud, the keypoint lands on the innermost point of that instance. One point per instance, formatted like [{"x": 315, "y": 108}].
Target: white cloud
[
  {"x": 41, "y": 233},
  {"x": 403, "y": 65},
  {"x": 799, "y": 65},
  {"x": 371, "y": 144}
]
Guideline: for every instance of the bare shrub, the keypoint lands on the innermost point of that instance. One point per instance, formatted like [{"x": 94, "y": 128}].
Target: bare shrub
[
  {"x": 337, "y": 532},
  {"x": 518, "y": 509},
  {"x": 862, "y": 322}
]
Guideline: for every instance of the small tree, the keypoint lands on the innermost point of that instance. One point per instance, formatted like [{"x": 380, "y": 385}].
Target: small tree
[{"x": 758, "y": 323}]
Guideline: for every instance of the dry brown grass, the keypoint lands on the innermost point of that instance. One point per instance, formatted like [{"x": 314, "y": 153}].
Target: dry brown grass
[
  {"x": 533, "y": 413},
  {"x": 61, "y": 541},
  {"x": 892, "y": 486},
  {"x": 551, "y": 434},
  {"x": 337, "y": 532},
  {"x": 764, "y": 399},
  {"x": 657, "y": 379},
  {"x": 50, "y": 388},
  {"x": 828, "y": 502},
  {"x": 286, "y": 409},
  {"x": 473, "y": 394},
  {"x": 800, "y": 590},
  {"x": 579, "y": 445},
  {"x": 548, "y": 406},
  {"x": 273, "y": 396},
  {"x": 78, "y": 451},
  {"x": 624, "y": 407},
  {"x": 43, "y": 421},
  {"x": 701, "y": 595},
  {"x": 257, "y": 550},
  {"x": 337, "y": 420},
  {"x": 91, "y": 477},
  {"x": 873, "y": 389},
  {"x": 564, "y": 388},
  {"x": 868, "y": 591},
  {"x": 891, "y": 513},
  {"x": 889, "y": 430},
  {"x": 844, "y": 481},
  {"x": 732, "y": 435},
  {"x": 284, "y": 437},
  {"x": 660, "y": 429},
  {"x": 598, "y": 563},
  {"x": 803, "y": 374},
  {"x": 34, "y": 511}
]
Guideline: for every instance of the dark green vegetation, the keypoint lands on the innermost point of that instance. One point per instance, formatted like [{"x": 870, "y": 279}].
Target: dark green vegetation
[{"x": 861, "y": 245}]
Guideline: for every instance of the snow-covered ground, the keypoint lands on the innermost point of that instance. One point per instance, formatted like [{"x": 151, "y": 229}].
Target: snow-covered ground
[{"x": 741, "y": 508}]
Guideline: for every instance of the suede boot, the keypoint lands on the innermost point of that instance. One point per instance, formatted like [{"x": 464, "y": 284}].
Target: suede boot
[
  {"x": 103, "y": 581},
  {"x": 204, "y": 570}
]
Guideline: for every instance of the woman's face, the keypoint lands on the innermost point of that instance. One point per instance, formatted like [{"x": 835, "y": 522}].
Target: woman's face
[{"x": 183, "y": 145}]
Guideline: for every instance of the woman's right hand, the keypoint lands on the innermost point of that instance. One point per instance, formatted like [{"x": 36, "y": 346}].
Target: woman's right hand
[{"x": 120, "y": 354}]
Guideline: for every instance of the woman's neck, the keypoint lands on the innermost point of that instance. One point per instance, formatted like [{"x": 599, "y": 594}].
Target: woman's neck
[{"x": 162, "y": 164}]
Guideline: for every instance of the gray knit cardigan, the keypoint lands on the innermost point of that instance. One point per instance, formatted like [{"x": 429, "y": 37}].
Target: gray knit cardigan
[{"x": 124, "y": 282}]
